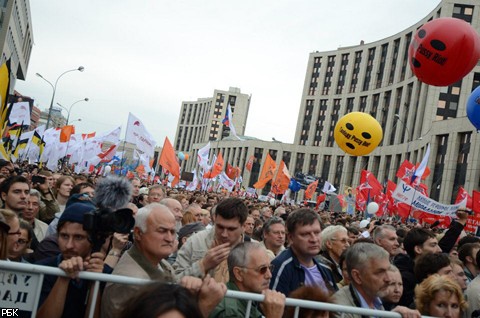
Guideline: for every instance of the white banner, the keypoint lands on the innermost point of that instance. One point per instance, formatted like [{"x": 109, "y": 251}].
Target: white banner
[
  {"x": 225, "y": 181},
  {"x": 137, "y": 134},
  {"x": 407, "y": 194},
  {"x": 20, "y": 113}
]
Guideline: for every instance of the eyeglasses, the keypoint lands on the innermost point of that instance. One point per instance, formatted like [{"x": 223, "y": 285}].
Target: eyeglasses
[
  {"x": 262, "y": 270},
  {"x": 15, "y": 233}
]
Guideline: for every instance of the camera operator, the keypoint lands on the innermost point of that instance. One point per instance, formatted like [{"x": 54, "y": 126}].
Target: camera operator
[
  {"x": 49, "y": 205},
  {"x": 67, "y": 296}
]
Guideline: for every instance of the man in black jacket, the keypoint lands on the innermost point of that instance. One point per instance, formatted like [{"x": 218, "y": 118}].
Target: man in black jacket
[{"x": 419, "y": 241}]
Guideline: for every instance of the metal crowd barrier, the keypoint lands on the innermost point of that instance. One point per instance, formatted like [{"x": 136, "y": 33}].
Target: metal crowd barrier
[{"x": 21, "y": 284}]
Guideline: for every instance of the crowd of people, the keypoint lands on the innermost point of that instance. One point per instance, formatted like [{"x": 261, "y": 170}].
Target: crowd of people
[{"x": 194, "y": 246}]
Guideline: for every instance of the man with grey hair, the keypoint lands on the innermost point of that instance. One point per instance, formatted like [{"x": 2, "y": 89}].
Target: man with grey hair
[
  {"x": 274, "y": 236},
  {"x": 367, "y": 266},
  {"x": 155, "y": 236},
  {"x": 30, "y": 214},
  {"x": 176, "y": 208},
  {"x": 250, "y": 271},
  {"x": 386, "y": 237},
  {"x": 334, "y": 242}
]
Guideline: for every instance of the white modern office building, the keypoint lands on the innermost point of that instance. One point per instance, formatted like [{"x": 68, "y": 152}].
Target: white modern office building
[
  {"x": 16, "y": 36},
  {"x": 376, "y": 78}
]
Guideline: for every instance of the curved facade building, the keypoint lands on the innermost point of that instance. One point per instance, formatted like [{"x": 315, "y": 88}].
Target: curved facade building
[{"x": 376, "y": 78}]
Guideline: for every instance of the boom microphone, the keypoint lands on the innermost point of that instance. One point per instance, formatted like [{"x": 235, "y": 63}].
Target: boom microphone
[{"x": 113, "y": 192}]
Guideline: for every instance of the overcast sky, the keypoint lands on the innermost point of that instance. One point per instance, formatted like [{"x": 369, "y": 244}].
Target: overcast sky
[{"x": 146, "y": 56}]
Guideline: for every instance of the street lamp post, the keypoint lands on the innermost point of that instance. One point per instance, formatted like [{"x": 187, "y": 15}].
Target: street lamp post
[
  {"x": 408, "y": 130},
  {"x": 70, "y": 108},
  {"x": 54, "y": 87}
]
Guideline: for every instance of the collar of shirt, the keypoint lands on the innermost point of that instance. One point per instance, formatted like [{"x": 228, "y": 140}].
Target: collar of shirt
[{"x": 377, "y": 302}]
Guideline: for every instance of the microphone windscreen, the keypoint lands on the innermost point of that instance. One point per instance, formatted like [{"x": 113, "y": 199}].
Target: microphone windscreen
[{"x": 113, "y": 192}]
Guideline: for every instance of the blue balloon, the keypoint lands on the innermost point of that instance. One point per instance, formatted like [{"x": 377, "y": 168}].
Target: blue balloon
[
  {"x": 181, "y": 156},
  {"x": 473, "y": 108}
]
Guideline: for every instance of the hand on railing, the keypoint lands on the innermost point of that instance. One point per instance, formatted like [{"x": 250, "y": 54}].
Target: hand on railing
[
  {"x": 407, "y": 312},
  {"x": 210, "y": 295},
  {"x": 274, "y": 304}
]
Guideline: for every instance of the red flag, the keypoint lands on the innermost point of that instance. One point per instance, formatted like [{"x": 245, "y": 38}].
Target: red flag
[
  {"x": 249, "y": 164},
  {"x": 267, "y": 172},
  {"x": 461, "y": 195},
  {"x": 382, "y": 202},
  {"x": 391, "y": 201},
  {"x": 341, "y": 200},
  {"x": 476, "y": 202},
  {"x": 312, "y": 187},
  {"x": 66, "y": 132},
  {"x": 405, "y": 171},
  {"x": 369, "y": 185},
  {"x": 360, "y": 200},
  {"x": 168, "y": 160},
  {"x": 320, "y": 199},
  {"x": 282, "y": 180}
]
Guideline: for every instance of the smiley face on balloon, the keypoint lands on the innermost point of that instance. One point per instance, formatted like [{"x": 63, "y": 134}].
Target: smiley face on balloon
[
  {"x": 443, "y": 51},
  {"x": 358, "y": 133}
]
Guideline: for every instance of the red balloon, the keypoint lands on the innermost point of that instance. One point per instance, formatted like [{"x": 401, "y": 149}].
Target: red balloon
[{"x": 443, "y": 51}]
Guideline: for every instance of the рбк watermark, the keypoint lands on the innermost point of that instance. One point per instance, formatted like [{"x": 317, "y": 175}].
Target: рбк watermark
[{"x": 9, "y": 312}]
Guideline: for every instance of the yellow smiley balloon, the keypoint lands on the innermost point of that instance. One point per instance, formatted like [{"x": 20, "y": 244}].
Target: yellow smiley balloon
[{"x": 358, "y": 133}]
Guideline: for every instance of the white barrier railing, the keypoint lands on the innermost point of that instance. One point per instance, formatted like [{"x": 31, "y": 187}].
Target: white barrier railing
[{"x": 24, "y": 282}]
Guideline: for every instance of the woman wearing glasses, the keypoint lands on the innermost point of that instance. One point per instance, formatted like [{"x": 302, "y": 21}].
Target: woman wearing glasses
[
  {"x": 22, "y": 246},
  {"x": 11, "y": 219}
]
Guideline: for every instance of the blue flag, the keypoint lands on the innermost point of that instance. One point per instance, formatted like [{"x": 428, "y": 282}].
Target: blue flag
[{"x": 294, "y": 185}]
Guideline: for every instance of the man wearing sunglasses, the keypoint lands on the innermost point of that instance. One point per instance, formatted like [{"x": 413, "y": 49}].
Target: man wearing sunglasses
[{"x": 250, "y": 271}]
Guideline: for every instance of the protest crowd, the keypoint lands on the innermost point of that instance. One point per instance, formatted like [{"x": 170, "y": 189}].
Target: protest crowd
[{"x": 196, "y": 245}]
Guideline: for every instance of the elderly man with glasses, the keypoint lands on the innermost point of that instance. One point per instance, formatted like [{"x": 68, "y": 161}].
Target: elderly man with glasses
[
  {"x": 250, "y": 271},
  {"x": 334, "y": 242}
]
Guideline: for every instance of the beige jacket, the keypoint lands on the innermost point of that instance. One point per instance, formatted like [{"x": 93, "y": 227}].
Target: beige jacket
[{"x": 132, "y": 264}]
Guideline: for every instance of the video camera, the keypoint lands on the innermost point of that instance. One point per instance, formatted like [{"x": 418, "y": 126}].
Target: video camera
[{"x": 101, "y": 223}]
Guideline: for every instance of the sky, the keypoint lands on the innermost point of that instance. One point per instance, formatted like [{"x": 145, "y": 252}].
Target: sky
[{"x": 146, "y": 56}]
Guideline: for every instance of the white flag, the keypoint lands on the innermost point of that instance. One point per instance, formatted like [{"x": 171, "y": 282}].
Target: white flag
[
  {"x": 202, "y": 157},
  {"x": 328, "y": 188},
  {"x": 230, "y": 122},
  {"x": 137, "y": 134},
  {"x": 192, "y": 186},
  {"x": 225, "y": 181},
  {"x": 417, "y": 175},
  {"x": 20, "y": 113}
]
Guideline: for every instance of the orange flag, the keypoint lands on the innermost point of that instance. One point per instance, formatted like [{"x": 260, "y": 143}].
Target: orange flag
[
  {"x": 168, "y": 161},
  {"x": 66, "y": 132},
  {"x": 312, "y": 187},
  {"x": 267, "y": 173},
  {"x": 249, "y": 164},
  {"x": 282, "y": 180},
  {"x": 216, "y": 169},
  {"x": 231, "y": 171}
]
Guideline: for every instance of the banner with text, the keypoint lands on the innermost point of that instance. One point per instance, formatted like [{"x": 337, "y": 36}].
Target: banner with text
[{"x": 407, "y": 194}]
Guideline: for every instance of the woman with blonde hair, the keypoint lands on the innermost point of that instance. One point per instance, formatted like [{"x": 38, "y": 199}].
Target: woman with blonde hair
[{"x": 440, "y": 296}]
